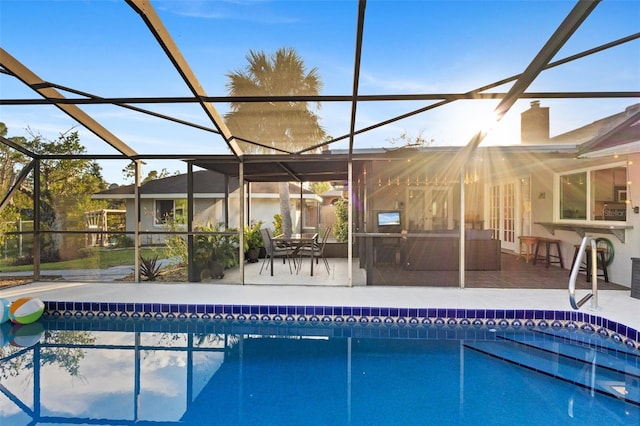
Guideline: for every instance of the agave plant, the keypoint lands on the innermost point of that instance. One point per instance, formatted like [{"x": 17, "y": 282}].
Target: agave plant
[{"x": 149, "y": 268}]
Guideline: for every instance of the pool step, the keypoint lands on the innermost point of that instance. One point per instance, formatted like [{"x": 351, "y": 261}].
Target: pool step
[
  {"x": 568, "y": 362},
  {"x": 575, "y": 347},
  {"x": 591, "y": 339}
]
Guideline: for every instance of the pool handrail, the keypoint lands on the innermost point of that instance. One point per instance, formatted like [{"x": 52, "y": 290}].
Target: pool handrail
[{"x": 594, "y": 276}]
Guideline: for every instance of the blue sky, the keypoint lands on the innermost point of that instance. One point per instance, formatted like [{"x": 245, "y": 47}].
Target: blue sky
[{"x": 104, "y": 48}]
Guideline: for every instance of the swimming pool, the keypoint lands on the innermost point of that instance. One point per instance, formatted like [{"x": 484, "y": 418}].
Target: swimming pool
[{"x": 181, "y": 371}]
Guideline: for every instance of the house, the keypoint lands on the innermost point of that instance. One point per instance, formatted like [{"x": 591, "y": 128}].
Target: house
[
  {"x": 559, "y": 187},
  {"x": 166, "y": 198},
  {"x": 563, "y": 187}
]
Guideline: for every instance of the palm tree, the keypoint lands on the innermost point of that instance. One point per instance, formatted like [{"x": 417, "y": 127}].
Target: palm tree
[{"x": 275, "y": 126}]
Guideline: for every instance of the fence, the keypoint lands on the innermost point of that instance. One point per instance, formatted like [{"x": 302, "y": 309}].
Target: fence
[{"x": 17, "y": 238}]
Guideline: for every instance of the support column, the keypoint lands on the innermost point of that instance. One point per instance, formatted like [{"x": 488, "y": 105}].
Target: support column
[{"x": 138, "y": 215}]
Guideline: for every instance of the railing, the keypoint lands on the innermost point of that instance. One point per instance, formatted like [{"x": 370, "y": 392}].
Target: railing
[{"x": 594, "y": 276}]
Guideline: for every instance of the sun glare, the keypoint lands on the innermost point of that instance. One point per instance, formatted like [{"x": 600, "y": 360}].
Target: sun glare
[{"x": 495, "y": 131}]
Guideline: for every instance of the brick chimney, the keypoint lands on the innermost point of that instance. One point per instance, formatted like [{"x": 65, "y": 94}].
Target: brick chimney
[{"x": 534, "y": 125}]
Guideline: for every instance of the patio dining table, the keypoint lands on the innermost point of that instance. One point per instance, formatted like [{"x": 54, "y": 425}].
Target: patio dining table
[{"x": 297, "y": 241}]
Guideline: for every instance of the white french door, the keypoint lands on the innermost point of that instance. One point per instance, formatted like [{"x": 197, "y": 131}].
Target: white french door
[
  {"x": 503, "y": 213},
  {"x": 508, "y": 231}
]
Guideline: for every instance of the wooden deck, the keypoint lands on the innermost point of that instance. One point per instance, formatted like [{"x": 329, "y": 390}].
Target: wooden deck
[{"x": 515, "y": 273}]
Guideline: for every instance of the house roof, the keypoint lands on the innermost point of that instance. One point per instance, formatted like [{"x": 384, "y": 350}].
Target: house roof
[
  {"x": 332, "y": 166},
  {"x": 621, "y": 136},
  {"x": 204, "y": 182},
  {"x": 327, "y": 166},
  {"x": 271, "y": 188},
  {"x": 619, "y": 132},
  {"x": 601, "y": 129}
]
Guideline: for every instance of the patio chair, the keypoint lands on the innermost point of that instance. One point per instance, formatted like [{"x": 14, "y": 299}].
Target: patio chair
[
  {"x": 274, "y": 250},
  {"x": 317, "y": 249}
]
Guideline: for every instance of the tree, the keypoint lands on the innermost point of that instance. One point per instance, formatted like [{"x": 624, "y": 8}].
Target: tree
[
  {"x": 275, "y": 126},
  {"x": 9, "y": 161},
  {"x": 64, "y": 349},
  {"x": 320, "y": 187},
  {"x": 9, "y": 158},
  {"x": 405, "y": 140},
  {"x": 129, "y": 173},
  {"x": 66, "y": 186}
]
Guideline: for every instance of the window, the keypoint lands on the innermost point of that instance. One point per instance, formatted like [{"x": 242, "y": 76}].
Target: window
[
  {"x": 594, "y": 195},
  {"x": 168, "y": 210},
  {"x": 573, "y": 196}
]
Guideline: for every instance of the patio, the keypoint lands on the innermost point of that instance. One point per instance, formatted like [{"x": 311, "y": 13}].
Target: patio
[{"x": 515, "y": 274}]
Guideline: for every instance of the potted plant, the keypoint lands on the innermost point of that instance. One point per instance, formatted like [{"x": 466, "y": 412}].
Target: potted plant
[
  {"x": 215, "y": 252},
  {"x": 253, "y": 241}
]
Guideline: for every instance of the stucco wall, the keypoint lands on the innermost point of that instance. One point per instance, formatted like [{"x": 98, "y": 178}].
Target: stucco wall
[
  {"x": 542, "y": 211},
  {"x": 206, "y": 212},
  {"x": 541, "y": 199},
  {"x": 264, "y": 210},
  {"x": 620, "y": 270}
]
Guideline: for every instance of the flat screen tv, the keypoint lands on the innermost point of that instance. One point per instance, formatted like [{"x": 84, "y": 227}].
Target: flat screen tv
[{"x": 389, "y": 219}]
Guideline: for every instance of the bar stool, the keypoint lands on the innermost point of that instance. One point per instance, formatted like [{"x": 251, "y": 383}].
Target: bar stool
[
  {"x": 548, "y": 257},
  {"x": 601, "y": 263},
  {"x": 529, "y": 246}
]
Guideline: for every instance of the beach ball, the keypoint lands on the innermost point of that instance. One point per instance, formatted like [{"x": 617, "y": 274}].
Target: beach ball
[
  {"x": 26, "y": 335},
  {"x": 26, "y": 310},
  {"x": 4, "y": 310}
]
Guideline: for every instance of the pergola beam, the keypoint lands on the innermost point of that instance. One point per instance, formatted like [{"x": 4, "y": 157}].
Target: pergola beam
[
  {"x": 569, "y": 25},
  {"x": 157, "y": 28},
  {"x": 449, "y": 97},
  {"x": 14, "y": 188},
  {"x": 17, "y": 147},
  {"x": 356, "y": 72},
  {"x": 29, "y": 78}
]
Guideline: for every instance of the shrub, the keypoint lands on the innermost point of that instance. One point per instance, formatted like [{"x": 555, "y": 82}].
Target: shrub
[
  {"x": 49, "y": 256},
  {"x": 277, "y": 224},
  {"x": 46, "y": 256},
  {"x": 27, "y": 259},
  {"x": 121, "y": 241},
  {"x": 216, "y": 248},
  {"x": 341, "y": 227},
  {"x": 85, "y": 252}
]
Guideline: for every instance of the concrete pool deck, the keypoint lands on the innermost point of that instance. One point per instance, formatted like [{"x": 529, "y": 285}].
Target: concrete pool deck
[{"x": 615, "y": 305}]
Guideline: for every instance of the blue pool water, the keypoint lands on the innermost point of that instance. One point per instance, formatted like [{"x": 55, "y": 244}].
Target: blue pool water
[{"x": 186, "y": 372}]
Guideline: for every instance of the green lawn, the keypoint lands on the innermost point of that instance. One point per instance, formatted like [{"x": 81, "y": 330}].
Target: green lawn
[{"x": 100, "y": 259}]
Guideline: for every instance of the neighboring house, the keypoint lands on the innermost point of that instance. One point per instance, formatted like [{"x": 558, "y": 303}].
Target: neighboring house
[
  {"x": 162, "y": 200},
  {"x": 265, "y": 204},
  {"x": 328, "y": 210}
]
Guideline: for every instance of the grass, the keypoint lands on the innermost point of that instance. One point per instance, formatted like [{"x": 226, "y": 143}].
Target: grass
[{"x": 100, "y": 259}]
